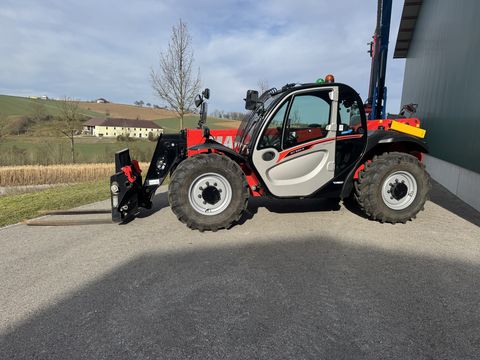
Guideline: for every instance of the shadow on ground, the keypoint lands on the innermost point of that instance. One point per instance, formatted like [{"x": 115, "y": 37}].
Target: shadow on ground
[
  {"x": 444, "y": 198},
  {"x": 302, "y": 298},
  {"x": 293, "y": 205},
  {"x": 160, "y": 201},
  {"x": 284, "y": 206},
  {"x": 438, "y": 195}
]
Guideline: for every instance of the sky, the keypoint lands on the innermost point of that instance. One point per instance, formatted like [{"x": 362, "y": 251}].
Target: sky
[{"x": 90, "y": 49}]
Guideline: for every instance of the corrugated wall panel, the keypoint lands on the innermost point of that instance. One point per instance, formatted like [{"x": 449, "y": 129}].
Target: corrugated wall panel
[{"x": 442, "y": 75}]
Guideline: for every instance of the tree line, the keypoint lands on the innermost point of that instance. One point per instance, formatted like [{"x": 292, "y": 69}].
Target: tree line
[{"x": 231, "y": 115}]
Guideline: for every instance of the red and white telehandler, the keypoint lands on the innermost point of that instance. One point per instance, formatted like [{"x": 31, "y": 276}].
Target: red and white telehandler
[{"x": 301, "y": 141}]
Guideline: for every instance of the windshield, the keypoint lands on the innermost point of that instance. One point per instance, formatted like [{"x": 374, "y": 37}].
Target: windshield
[{"x": 245, "y": 131}]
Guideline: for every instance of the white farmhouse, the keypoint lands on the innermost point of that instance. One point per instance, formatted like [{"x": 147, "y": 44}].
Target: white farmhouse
[{"x": 126, "y": 127}]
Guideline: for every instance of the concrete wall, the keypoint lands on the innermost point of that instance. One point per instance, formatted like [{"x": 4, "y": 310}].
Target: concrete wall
[{"x": 460, "y": 181}]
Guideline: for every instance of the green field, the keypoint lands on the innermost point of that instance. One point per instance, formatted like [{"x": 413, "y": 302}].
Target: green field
[
  {"x": 29, "y": 150},
  {"x": 172, "y": 125},
  {"x": 16, "y": 208},
  {"x": 21, "y": 106}
]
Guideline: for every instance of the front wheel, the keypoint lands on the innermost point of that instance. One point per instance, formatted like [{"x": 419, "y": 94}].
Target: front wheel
[
  {"x": 208, "y": 192},
  {"x": 393, "y": 187}
]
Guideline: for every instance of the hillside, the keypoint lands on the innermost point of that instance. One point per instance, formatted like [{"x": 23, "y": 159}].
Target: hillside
[
  {"x": 127, "y": 111},
  {"x": 22, "y": 106},
  {"x": 26, "y": 140},
  {"x": 15, "y": 106}
]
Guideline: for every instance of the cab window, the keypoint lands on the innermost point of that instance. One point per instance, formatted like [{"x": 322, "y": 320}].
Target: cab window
[
  {"x": 307, "y": 119},
  {"x": 272, "y": 135},
  {"x": 349, "y": 113}
]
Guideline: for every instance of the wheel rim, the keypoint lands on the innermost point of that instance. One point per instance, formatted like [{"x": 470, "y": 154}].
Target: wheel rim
[
  {"x": 210, "y": 194},
  {"x": 399, "y": 190}
]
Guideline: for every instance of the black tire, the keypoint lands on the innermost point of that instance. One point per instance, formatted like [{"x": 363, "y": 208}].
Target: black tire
[
  {"x": 186, "y": 174},
  {"x": 371, "y": 182}
]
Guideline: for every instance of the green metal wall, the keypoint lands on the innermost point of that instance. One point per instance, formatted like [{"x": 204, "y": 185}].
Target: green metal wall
[{"x": 442, "y": 75}]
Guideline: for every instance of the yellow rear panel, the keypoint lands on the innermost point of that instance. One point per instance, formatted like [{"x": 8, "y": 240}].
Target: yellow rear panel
[{"x": 408, "y": 129}]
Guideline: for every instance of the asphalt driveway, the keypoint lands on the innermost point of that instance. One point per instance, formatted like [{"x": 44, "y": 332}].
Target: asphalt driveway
[{"x": 296, "y": 280}]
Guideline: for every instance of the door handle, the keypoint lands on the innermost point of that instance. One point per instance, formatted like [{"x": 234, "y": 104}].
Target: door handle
[{"x": 268, "y": 156}]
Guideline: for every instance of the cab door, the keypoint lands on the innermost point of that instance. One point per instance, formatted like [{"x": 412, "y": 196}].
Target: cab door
[{"x": 295, "y": 152}]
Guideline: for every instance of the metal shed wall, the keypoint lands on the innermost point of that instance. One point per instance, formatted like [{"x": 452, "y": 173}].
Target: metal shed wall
[{"x": 442, "y": 75}]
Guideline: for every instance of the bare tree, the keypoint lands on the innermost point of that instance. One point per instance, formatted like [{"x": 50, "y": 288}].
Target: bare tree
[
  {"x": 38, "y": 112},
  {"x": 263, "y": 85},
  {"x": 16, "y": 126},
  {"x": 70, "y": 121},
  {"x": 3, "y": 125},
  {"x": 175, "y": 81}
]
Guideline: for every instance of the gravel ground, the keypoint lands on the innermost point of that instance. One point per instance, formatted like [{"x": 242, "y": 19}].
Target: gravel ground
[{"x": 298, "y": 280}]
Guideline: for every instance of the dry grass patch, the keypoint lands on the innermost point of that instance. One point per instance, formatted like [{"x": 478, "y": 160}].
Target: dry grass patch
[{"x": 56, "y": 174}]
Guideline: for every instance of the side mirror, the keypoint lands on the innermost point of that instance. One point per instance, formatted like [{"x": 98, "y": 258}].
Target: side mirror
[
  {"x": 251, "y": 99},
  {"x": 206, "y": 93},
  {"x": 198, "y": 100},
  {"x": 203, "y": 114}
]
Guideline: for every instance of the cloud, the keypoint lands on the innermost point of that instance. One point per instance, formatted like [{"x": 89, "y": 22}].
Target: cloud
[
  {"x": 90, "y": 49},
  {"x": 296, "y": 44}
]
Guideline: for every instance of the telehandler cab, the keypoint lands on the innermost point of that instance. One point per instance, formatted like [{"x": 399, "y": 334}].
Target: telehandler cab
[{"x": 302, "y": 141}]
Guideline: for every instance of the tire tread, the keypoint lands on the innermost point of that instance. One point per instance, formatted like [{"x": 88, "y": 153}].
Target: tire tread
[
  {"x": 369, "y": 183},
  {"x": 179, "y": 179}
]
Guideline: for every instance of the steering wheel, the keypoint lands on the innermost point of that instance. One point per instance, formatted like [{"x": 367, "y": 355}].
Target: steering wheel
[
  {"x": 291, "y": 140},
  {"x": 272, "y": 141}
]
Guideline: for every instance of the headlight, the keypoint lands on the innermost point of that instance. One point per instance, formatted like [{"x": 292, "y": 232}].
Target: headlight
[{"x": 114, "y": 188}]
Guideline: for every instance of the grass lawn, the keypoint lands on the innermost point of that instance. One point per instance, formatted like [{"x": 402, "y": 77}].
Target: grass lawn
[{"x": 15, "y": 208}]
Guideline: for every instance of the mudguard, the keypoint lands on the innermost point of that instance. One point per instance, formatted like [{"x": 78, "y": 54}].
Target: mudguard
[
  {"x": 216, "y": 146},
  {"x": 381, "y": 141},
  {"x": 381, "y": 137}
]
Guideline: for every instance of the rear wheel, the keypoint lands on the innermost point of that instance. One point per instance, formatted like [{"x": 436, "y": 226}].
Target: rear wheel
[
  {"x": 393, "y": 187},
  {"x": 208, "y": 192}
]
